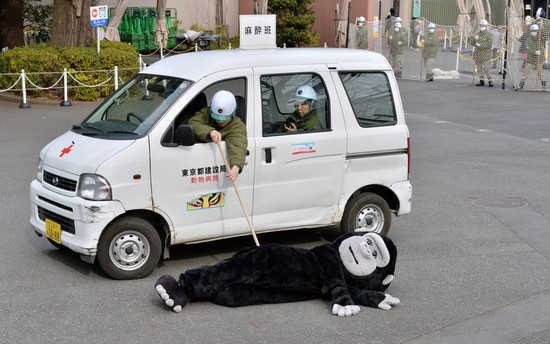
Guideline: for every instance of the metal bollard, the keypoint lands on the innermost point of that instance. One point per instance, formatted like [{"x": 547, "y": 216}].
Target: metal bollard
[
  {"x": 65, "y": 101},
  {"x": 24, "y": 104}
]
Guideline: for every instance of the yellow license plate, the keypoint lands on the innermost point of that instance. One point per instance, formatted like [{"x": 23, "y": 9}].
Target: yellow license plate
[{"x": 53, "y": 231}]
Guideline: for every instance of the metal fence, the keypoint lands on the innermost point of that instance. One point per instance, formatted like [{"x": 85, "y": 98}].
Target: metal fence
[{"x": 507, "y": 60}]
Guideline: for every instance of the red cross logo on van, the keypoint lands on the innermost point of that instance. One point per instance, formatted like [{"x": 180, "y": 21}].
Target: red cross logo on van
[{"x": 66, "y": 150}]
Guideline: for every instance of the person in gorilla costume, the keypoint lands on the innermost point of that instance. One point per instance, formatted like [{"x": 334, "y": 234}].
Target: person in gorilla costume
[{"x": 355, "y": 269}]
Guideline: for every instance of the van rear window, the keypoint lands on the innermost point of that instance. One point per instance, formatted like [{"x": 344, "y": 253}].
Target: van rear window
[{"x": 370, "y": 97}]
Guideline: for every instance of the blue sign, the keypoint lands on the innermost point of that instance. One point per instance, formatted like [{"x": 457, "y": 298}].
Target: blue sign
[{"x": 99, "y": 22}]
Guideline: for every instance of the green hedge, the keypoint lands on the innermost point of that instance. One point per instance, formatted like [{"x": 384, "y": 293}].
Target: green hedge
[{"x": 43, "y": 58}]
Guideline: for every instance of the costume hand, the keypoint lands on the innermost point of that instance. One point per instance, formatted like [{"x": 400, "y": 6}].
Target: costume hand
[
  {"x": 345, "y": 311},
  {"x": 391, "y": 37},
  {"x": 476, "y": 37},
  {"x": 216, "y": 136},
  {"x": 291, "y": 128},
  {"x": 233, "y": 173},
  {"x": 478, "y": 45},
  {"x": 537, "y": 52},
  {"x": 388, "y": 302}
]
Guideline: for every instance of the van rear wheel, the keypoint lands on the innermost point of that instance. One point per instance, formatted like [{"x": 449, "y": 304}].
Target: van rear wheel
[
  {"x": 129, "y": 248},
  {"x": 368, "y": 212}
]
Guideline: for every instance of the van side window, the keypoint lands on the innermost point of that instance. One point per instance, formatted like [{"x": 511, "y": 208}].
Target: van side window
[
  {"x": 282, "y": 95},
  {"x": 204, "y": 98},
  {"x": 370, "y": 97}
]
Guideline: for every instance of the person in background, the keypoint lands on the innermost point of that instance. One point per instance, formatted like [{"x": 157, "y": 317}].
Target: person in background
[
  {"x": 398, "y": 41},
  {"x": 523, "y": 39},
  {"x": 389, "y": 24},
  {"x": 483, "y": 45},
  {"x": 219, "y": 121},
  {"x": 430, "y": 43},
  {"x": 362, "y": 33},
  {"x": 535, "y": 51}
]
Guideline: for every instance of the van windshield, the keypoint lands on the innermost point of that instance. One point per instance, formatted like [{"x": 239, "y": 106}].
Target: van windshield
[{"x": 133, "y": 109}]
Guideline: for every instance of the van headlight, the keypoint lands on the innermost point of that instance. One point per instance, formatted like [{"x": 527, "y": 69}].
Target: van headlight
[
  {"x": 40, "y": 170},
  {"x": 94, "y": 187}
]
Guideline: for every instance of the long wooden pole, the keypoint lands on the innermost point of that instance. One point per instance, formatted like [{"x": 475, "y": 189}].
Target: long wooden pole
[{"x": 239, "y": 197}]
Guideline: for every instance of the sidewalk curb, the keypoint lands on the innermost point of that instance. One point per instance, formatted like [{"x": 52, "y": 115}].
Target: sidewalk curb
[{"x": 54, "y": 102}]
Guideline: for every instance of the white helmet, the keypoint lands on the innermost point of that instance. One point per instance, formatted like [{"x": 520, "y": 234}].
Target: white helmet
[
  {"x": 483, "y": 22},
  {"x": 528, "y": 20},
  {"x": 431, "y": 26},
  {"x": 398, "y": 19},
  {"x": 398, "y": 25},
  {"x": 223, "y": 106},
  {"x": 302, "y": 94},
  {"x": 361, "y": 19},
  {"x": 534, "y": 27}
]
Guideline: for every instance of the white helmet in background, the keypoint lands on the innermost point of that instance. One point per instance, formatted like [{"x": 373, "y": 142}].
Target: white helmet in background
[
  {"x": 398, "y": 25},
  {"x": 528, "y": 20},
  {"x": 223, "y": 106},
  {"x": 361, "y": 20},
  {"x": 398, "y": 19},
  {"x": 534, "y": 27},
  {"x": 483, "y": 22},
  {"x": 431, "y": 26}
]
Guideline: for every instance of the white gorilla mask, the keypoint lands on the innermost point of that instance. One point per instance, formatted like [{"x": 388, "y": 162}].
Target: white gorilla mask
[{"x": 361, "y": 255}]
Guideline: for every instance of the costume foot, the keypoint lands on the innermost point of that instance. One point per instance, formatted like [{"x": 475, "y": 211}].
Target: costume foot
[{"x": 171, "y": 293}]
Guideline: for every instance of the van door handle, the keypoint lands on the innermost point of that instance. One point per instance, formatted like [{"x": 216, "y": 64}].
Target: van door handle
[{"x": 268, "y": 156}]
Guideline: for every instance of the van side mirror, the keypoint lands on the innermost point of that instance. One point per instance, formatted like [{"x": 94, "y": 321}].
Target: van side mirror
[{"x": 185, "y": 136}]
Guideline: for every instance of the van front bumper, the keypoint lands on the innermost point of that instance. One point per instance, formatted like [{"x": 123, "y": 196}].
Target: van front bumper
[{"x": 82, "y": 221}]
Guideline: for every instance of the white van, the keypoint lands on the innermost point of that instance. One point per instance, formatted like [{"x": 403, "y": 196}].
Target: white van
[{"x": 130, "y": 181}]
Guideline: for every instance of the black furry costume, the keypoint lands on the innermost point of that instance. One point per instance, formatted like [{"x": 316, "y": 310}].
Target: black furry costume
[{"x": 274, "y": 273}]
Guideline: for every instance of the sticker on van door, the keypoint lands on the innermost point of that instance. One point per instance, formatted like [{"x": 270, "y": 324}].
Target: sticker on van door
[
  {"x": 303, "y": 148},
  {"x": 211, "y": 200},
  {"x": 203, "y": 174}
]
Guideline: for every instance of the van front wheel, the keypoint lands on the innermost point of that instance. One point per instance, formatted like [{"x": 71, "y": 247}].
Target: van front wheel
[
  {"x": 368, "y": 212},
  {"x": 129, "y": 248}
]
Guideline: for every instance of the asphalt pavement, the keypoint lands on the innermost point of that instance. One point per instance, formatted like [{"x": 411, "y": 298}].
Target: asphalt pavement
[{"x": 473, "y": 256}]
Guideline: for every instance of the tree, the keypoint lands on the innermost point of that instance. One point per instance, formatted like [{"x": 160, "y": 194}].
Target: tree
[
  {"x": 71, "y": 23},
  {"x": 11, "y": 27},
  {"x": 295, "y": 20}
]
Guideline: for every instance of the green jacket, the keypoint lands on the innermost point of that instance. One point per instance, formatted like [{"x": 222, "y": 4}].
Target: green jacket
[
  {"x": 484, "y": 52},
  {"x": 307, "y": 123},
  {"x": 396, "y": 48},
  {"x": 431, "y": 45},
  {"x": 234, "y": 134}
]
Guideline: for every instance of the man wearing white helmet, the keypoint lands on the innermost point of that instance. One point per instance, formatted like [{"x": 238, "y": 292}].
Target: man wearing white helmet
[
  {"x": 523, "y": 39},
  {"x": 535, "y": 56},
  {"x": 483, "y": 50},
  {"x": 304, "y": 117},
  {"x": 218, "y": 121},
  {"x": 362, "y": 35},
  {"x": 430, "y": 43},
  {"x": 398, "y": 39}
]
